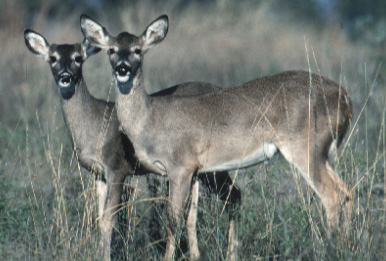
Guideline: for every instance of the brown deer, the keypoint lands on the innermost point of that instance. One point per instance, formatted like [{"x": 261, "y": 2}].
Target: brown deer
[
  {"x": 94, "y": 129},
  {"x": 299, "y": 114}
]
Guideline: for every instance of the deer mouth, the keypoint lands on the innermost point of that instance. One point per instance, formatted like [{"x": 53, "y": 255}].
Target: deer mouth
[
  {"x": 66, "y": 84},
  {"x": 65, "y": 79},
  {"x": 123, "y": 72}
]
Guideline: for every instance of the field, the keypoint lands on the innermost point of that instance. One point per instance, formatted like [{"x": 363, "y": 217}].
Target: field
[{"x": 47, "y": 201}]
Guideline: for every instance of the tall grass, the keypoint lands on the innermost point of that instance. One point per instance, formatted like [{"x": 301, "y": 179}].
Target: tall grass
[{"x": 47, "y": 208}]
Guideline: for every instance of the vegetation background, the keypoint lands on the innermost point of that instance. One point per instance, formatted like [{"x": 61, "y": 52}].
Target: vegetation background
[{"x": 47, "y": 201}]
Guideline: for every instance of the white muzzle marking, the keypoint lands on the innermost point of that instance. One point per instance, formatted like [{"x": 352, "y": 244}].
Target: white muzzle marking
[{"x": 123, "y": 79}]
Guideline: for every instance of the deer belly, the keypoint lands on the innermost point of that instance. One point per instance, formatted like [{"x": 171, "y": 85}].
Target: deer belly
[{"x": 265, "y": 152}]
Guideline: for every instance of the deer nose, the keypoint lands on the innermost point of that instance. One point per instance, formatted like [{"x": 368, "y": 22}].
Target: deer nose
[{"x": 122, "y": 70}]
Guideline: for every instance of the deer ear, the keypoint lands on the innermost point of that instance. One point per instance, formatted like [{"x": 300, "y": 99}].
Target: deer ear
[
  {"x": 37, "y": 44},
  {"x": 94, "y": 32},
  {"x": 155, "y": 32},
  {"x": 89, "y": 49}
]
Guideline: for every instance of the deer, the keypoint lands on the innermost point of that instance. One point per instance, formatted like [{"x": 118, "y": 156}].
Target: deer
[
  {"x": 299, "y": 114},
  {"x": 100, "y": 146}
]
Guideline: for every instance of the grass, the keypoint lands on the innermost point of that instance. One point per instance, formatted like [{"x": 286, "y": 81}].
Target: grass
[{"x": 47, "y": 201}]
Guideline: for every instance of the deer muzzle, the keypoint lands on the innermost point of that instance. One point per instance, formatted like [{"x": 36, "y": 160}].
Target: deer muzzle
[
  {"x": 65, "y": 79},
  {"x": 122, "y": 72}
]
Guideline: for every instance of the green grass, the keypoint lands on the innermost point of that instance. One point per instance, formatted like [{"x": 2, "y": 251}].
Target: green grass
[{"x": 47, "y": 202}]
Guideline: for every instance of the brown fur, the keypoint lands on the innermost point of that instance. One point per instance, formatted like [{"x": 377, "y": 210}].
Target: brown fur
[
  {"x": 100, "y": 146},
  {"x": 300, "y": 114}
]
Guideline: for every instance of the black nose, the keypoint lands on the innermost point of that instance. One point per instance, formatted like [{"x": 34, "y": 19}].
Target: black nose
[{"x": 122, "y": 69}]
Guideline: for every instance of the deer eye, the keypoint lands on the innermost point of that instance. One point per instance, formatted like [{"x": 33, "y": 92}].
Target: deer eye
[
  {"x": 137, "y": 51},
  {"x": 78, "y": 59},
  {"x": 110, "y": 51},
  {"x": 52, "y": 59}
]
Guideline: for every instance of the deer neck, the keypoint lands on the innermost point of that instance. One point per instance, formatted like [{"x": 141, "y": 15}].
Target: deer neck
[
  {"x": 133, "y": 108},
  {"x": 78, "y": 107}
]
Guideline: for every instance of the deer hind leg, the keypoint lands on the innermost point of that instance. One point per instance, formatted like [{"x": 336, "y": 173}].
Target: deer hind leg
[{"x": 335, "y": 196}]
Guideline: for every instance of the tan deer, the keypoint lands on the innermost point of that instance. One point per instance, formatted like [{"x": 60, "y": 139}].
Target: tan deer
[
  {"x": 94, "y": 129},
  {"x": 299, "y": 114}
]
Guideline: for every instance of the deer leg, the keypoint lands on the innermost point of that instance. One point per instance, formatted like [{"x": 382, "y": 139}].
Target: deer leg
[
  {"x": 112, "y": 199},
  {"x": 234, "y": 201},
  {"x": 231, "y": 195},
  {"x": 232, "y": 242},
  {"x": 336, "y": 197},
  {"x": 179, "y": 187},
  {"x": 191, "y": 222},
  {"x": 102, "y": 194},
  {"x": 101, "y": 191},
  {"x": 222, "y": 185}
]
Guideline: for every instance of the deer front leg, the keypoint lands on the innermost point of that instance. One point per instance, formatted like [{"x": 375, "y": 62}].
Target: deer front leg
[
  {"x": 222, "y": 185},
  {"x": 234, "y": 204},
  {"x": 102, "y": 192},
  {"x": 232, "y": 242},
  {"x": 113, "y": 193},
  {"x": 191, "y": 222},
  {"x": 102, "y": 195},
  {"x": 179, "y": 187}
]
